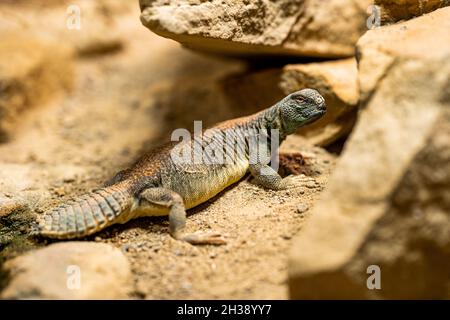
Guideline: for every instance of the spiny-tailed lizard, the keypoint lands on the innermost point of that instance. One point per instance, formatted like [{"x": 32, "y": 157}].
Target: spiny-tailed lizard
[{"x": 158, "y": 185}]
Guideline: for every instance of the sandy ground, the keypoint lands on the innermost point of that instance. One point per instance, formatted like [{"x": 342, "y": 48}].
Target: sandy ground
[{"x": 126, "y": 102}]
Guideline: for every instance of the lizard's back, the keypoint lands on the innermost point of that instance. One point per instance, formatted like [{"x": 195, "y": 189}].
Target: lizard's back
[
  {"x": 196, "y": 180},
  {"x": 204, "y": 173}
]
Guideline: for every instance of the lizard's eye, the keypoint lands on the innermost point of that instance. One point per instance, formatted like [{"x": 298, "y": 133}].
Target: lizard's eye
[{"x": 299, "y": 99}]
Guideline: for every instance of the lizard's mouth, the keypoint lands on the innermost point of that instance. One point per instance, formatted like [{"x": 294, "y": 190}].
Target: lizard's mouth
[
  {"x": 322, "y": 107},
  {"x": 316, "y": 112}
]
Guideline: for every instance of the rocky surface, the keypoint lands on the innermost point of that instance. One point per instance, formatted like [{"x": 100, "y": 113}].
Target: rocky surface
[
  {"x": 32, "y": 70},
  {"x": 69, "y": 270},
  {"x": 9, "y": 205},
  {"x": 387, "y": 203},
  {"x": 123, "y": 102},
  {"x": 383, "y": 209},
  {"x": 246, "y": 28},
  {"x": 395, "y": 10}
]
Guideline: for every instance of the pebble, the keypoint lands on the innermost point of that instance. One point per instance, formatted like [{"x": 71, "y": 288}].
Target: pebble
[
  {"x": 60, "y": 191},
  {"x": 8, "y": 206},
  {"x": 310, "y": 184},
  {"x": 125, "y": 248},
  {"x": 301, "y": 208}
]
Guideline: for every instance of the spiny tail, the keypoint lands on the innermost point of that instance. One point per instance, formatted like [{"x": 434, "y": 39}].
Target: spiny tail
[{"x": 87, "y": 214}]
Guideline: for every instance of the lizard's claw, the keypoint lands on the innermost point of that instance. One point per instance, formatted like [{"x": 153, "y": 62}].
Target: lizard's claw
[{"x": 213, "y": 238}]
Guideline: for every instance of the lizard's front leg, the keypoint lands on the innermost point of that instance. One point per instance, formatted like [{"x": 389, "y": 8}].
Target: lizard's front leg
[
  {"x": 267, "y": 177},
  {"x": 177, "y": 216}
]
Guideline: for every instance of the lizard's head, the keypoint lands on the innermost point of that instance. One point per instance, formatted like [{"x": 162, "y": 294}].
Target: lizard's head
[{"x": 300, "y": 108}]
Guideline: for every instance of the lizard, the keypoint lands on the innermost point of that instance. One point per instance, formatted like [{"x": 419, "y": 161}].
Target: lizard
[{"x": 157, "y": 185}]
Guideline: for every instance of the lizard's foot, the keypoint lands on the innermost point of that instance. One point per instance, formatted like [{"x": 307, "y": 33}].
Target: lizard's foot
[
  {"x": 199, "y": 238},
  {"x": 177, "y": 217},
  {"x": 269, "y": 178}
]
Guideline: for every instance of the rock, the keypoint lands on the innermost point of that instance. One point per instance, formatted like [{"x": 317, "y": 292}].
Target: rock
[
  {"x": 311, "y": 184},
  {"x": 247, "y": 28},
  {"x": 10, "y": 204},
  {"x": 31, "y": 71},
  {"x": 69, "y": 270},
  {"x": 302, "y": 208},
  {"x": 395, "y": 10},
  {"x": 335, "y": 80},
  {"x": 387, "y": 204},
  {"x": 92, "y": 46}
]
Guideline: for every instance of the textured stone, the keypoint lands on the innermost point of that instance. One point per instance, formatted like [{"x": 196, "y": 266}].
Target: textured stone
[
  {"x": 388, "y": 201},
  {"x": 302, "y": 208},
  {"x": 282, "y": 27},
  {"x": 50, "y": 273},
  {"x": 395, "y": 10},
  {"x": 9, "y": 204}
]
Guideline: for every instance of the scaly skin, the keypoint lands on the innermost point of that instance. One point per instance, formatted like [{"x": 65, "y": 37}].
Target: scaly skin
[{"x": 158, "y": 185}]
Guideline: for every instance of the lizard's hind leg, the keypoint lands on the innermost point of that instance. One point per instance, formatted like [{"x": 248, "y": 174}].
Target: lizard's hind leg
[{"x": 177, "y": 216}]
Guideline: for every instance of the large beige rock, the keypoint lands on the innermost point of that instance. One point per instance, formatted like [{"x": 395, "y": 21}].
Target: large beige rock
[
  {"x": 335, "y": 80},
  {"x": 388, "y": 202},
  {"x": 31, "y": 71},
  {"x": 395, "y": 10},
  {"x": 282, "y": 27},
  {"x": 69, "y": 270}
]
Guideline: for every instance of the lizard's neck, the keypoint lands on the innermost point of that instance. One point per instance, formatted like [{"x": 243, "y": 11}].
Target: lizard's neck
[{"x": 269, "y": 119}]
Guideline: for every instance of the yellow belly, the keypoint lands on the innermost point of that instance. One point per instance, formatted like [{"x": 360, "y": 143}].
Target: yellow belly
[
  {"x": 198, "y": 187},
  {"x": 195, "y": 188}
]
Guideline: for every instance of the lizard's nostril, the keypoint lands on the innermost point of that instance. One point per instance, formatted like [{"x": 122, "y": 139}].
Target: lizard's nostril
[{"x": 322, "y": 106}]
